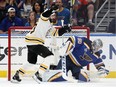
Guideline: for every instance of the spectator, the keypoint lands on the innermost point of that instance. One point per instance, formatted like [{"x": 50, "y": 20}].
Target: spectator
[
  {"x": 13, "y": 3},
  {"x": 63, "y": 13},
  {"x": 31, "y": 20},
  {"x": 20, "y": 7},
  {"x": 54, "y": 19},
  {"x": 84, "y": 12},
  {"x": 47, "y": 3},
  {"x": 27, "y": 7},
  {"x": 20, "y": 4},
  {"x": 98, "y": 4},
  {"x": 2, "y": 9},
  {"x": 10, "y": 20},
  {"x": 112, "y": 26},
  {"x": 38, "y": 8},
  {"x": 66, "y": 3},
  {"x": 41, "y": 1}
]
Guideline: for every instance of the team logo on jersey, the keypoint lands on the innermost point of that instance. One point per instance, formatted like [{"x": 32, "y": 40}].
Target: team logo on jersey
[{"x": 86, "y": 56}]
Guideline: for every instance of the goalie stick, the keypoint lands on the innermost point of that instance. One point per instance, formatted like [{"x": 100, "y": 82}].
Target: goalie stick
[
  {"x": 63, "y": 58},
  {"x": 64, "y": 71}
]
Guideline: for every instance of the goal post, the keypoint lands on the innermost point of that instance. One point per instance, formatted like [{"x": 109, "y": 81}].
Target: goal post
[
  {"x": 10, "y": 31},
  {"x": 16, "y": 43}
]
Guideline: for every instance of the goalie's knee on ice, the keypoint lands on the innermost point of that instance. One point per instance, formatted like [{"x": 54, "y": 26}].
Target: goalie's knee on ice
[
  {"x": 83, "y": 77},
  {"x": 56, "y": 78}
]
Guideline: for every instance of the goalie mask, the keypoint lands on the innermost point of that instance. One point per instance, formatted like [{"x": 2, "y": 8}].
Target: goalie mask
[{"x": 96, "y": 45}]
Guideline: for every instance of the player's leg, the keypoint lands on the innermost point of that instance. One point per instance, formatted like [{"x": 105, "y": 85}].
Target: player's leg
[
  {"x": 57, "y": 74},
  {"x": 78, "y": 74},
  {"x": 76, "y": 70},
  {"x": 43, "y": 68},
  {"x": 65, "y": 66},
  {"x": 49, "y": 57},
  {"x": 32, "y": 59}
]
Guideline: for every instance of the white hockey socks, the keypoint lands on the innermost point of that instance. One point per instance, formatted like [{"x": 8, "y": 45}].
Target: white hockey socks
[
  {"x": 45, "y": 65},
  {"x": 27, "y": 67}
]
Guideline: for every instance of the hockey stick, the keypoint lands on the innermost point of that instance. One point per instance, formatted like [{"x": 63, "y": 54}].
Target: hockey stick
[
  {"x": 63, "y": 58},
  {"x": 64, "y": 71}
]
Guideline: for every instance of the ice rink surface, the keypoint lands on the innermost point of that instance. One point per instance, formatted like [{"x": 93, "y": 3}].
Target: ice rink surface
[{"x": 31, "y": 83}]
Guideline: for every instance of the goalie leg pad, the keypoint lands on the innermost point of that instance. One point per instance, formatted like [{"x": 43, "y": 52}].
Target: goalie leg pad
[
  {"x": 83, "y": 77},
  {"x": 56, "y": 78}
]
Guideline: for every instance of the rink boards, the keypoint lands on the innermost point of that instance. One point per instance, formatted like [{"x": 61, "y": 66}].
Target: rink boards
[{"x": 108, "y": 53}]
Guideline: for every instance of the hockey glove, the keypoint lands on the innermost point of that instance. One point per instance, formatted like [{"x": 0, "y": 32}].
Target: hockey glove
[
  {"x": 102, "y": 72},
  {"x": 64, "y": 29},
  {"x": 48, "y": 12}
]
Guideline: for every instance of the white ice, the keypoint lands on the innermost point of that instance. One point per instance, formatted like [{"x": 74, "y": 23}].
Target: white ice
[{"x": 106, "y": 82}]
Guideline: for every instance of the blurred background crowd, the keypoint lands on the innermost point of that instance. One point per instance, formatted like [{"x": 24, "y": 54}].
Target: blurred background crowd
[{"x": 27, "y": 12}]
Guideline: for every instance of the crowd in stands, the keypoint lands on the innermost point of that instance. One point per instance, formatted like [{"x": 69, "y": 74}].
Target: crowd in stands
[{"x": 27, "y": 12}]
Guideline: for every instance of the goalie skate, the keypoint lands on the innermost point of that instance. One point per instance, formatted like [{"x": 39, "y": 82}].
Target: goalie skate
[{"x": 37, "y": 78}]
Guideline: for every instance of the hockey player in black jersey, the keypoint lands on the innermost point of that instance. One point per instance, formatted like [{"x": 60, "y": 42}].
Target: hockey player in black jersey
[{"x": 35, "y": 40}]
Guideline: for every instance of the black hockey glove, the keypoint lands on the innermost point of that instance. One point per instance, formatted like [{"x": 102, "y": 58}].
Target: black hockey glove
[
  {"x": 49, "y": 12},
  {"x": 64, "y": 29}
]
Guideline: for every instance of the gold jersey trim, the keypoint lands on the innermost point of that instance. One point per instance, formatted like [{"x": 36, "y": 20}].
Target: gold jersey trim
[
  {"x": 44, "y": 18},
  {"x": 72, "y": 39},
  {"x": 73, "y": 60},
  {"x": 86, "y": 45},
  {"x": 34, "y": 40},
  {"x": 55, "y": 32}
]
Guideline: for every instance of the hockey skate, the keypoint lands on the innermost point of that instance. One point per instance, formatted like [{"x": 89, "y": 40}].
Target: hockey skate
[
  {"x": 16, "y": 78},
  {"x": 37, "y": 77}
]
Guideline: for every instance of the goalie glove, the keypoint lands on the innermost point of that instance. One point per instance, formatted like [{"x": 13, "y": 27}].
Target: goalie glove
[{"x": 102, "y": 72}]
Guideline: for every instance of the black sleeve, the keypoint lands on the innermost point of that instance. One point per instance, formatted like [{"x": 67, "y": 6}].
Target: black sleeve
[
  {"x": 47, "y": 13},
  {"x": 98, "y": 54}
]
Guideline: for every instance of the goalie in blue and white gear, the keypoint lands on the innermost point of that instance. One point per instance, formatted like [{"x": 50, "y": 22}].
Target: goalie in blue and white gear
[{"x": 79, "y": 52}]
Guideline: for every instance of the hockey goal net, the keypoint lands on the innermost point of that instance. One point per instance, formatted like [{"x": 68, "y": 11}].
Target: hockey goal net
[{"x": 17, "y": 51}]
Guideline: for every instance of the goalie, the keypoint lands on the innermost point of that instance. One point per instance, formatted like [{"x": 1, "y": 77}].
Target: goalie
[
  {"x": 79, "y": 52},
  {"x": 35, "y": 43}
]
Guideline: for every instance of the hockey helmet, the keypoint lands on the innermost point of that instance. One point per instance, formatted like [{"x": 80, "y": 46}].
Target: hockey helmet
[{"x": 96, "y": 45}]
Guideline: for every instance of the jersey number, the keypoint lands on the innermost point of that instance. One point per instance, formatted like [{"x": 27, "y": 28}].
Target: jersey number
[{"x": 79, "y": 41}]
